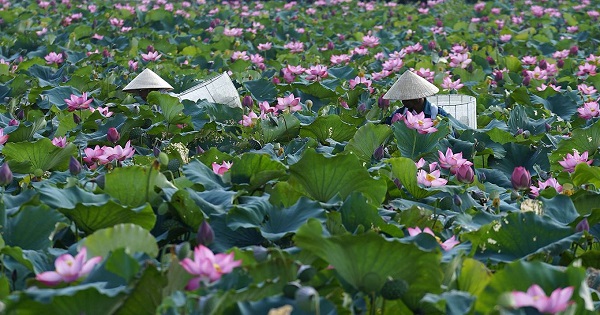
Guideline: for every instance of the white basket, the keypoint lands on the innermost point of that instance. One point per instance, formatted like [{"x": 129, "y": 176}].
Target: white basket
[
  {"x": 219, "y": 89},
  {"x": 462, "y": 107}
]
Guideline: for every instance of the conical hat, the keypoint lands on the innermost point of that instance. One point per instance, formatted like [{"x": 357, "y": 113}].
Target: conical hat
[
  {"x": 410, "y": 86},
  {"x": 147, "y": 80}
]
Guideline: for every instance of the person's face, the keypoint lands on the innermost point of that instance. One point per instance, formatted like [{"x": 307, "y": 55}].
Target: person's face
[{"x": 412, "y": 104}]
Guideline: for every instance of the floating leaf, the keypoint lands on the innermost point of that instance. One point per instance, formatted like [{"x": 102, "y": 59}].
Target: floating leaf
[
  {"x": 90, "y": 218},
  {"x": 133, "y": 238},
  {"x": 328, "y": 127},
  {"x": 26, "y": 157},
  {"x": 31, "y": 227},
  {"x": 414, "y": 145},
  {"x": 368, "y": 138},
  {"x": 133, "y": 185},
  {"x": 255, "y": 169},
  {"x": 323, "y": 178}
]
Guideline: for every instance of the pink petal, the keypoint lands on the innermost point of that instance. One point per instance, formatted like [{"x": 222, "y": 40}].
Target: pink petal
[{"x": 49, "y": 278}]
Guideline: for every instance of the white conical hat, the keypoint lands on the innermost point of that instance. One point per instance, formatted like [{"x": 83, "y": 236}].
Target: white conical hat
[
  {"x": 410, "y": 86},
  {"x": 147, "y": 80}
]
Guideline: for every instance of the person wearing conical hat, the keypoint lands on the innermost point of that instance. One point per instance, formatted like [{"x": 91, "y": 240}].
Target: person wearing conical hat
[
  {"x": 146, "y": 82},
  {"x": 413, "y": 90}
]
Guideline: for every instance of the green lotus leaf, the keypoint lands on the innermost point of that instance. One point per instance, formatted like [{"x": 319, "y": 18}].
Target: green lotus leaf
[
  {"x": 146, "y": 296},
  {"x": 19, "y": 232},
  {"x": 281, "y": 128},
  {"x": 26, "y": 157},
  {"x": 358, "y": 260},
  {"x": 27, "y": 130},
  {"x": 56, "y": 96},
  {"x": 564, "y": 105},
  {"x": 133, "y": 185},
  {"x": 262, "y": 90},
  {"x": 328, "y": 127},
  {"x": 323, "y": 178},
  {"x": 133, "y": 238},
  {"x": 201, "y": 174},
  {"x": 520, "y": 155},
  {"x": 188, "y": 210},
  {"x": 414, "y": 145},
  {"x": 255, "y": 170},
  {"x": 171, "y": 107},
  {"x": 520, "y": 235},
  {"x": 582, "y": 140},
  {"x": 90, "y": 218},
  {"x": 585, "y": 174},
  {"x": 273, "y": 222},
  {"x": 47, "y": 76},
  {"x": 368, "y": 138}
]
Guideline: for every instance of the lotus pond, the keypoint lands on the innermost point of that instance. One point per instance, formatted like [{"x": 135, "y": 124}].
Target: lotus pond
[{"x": 301, "y": 201}]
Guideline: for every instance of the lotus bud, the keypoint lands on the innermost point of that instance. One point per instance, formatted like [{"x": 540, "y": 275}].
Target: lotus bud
[
  {"x": 526, "y": 134},
  {"x": 341, "y": 37},
  {"x": 520, "y": 179},
  {"x": 6, "y": 176},
  {"x": 583, "y": 225},
  {"x": 76, "y": 119},
  {"x": 543, "y": 64},
  {"x": 20, "y": 114},
  {"x": 519, "y": 131},
  {"x": 275, "y": 80},
  {"x": 247, "y": 101},
  {"x": 113, "y": 135},
  {"x": 150, "y": 48},
  {"x": 309, "y": 104},
  {"x": 465, "y": 174},
  {"x": 330, "y": 45},
  {"x": 560, "y": 63},
  {"x": 573, "y": 50},
  {"x": 498, "y": 76},
  {"x": 205, "y": 235},
  {"x": 362, "y": 108},
  {"x": 490, "y": 60},
  {"x": 548, "y": 127},
  {"x": 379, "y": 153},
  {"x": 398, "y": 183},
  {"x": 432, "y": 45},
  {"x": 526, "y": 81},
  {"x": 155, "y": 151},
  {"x": 74, "y": 166},
  {"x": 100, "y": 180},
  {"x": 383, "y": 103},
  {"x": 13, "y": 122},
  {"x": 199, "y": 150}
]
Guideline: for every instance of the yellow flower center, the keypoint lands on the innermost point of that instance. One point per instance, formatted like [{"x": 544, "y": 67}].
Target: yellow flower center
[
  {"x": 430, "y": 177},
  {"x": 217, "y": 268}
]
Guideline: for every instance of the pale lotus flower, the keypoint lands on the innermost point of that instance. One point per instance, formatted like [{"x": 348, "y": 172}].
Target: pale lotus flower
[
  {"x": 370, "y": 41},
  {"x": 69, "y": 268},
  {"x": 550, "y": 182},
  {"x": 586, "y": 89},
  {"x": 78, "y": 102},
  {"x": 393, "y": 65},
  {"x": 339, "y": 59},
  {"x": 586, "y": 69},
  {"x": 446, "y": 245},
  {"x": 360, "y": 80},
  {"x": 419, "y": 122},
  {"x": 119, "y": 153},
  {"x": 249, "y": 120},
  {"x": 448, "y": 84},
  {"x": 316, "y": 73},
  {"x": 452, "y": 161},
  {"x": 265, "y": 108},
  {"x": 207, "y": 267},
  {"x": 54, "y": 58},
  {"x": 265, "y": 46},
  {"x": 233, "y": 32},
  {"x": 220, "y": 169},
  {"x": 60, "y": 142},
  {"x": 589, "y": 110},
  {"x": 41, "y": 32},
  {"x": 295, "y": 69},
  {"x": 151, "y": 56},
  {"x": 505, "y": 38},
  {"x": 430, "y": 179},
  {"x": 294, "y": 47},
  {"x": 240, "y": 55},
  {"x": 571, "y": 160},
  {"x": 535, "y": 297},
  {"x": 289, "y": 102}
]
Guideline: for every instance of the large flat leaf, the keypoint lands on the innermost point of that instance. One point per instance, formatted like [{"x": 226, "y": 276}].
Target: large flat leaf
[
  {"x": 133, "y": 238},
  {"x": 414, "y": 145},
  {"x": 201, "y": 174},
  {"x": 255, "y": 170},
  {"x": 520, "y": 120},
  {"x": 520, "y": 235},
  {"x": 69, "y": 198},
  {"x": 31, "y": 227},
  {"x": 146, "y": 295},
  {"x": 272, "y": 221},
  {"x": 56, "y": 96},
  {"x": 262, "y": 90},
  {"x": 368, "y": 138},
  {"x": 170, "y": 106},
  {"x": 47, "y": 76},
  {"x": 564, "y": 105},
  {"x": 323, "y": 178},
  {"x": 283, "y": 128},
  {"x": 406, "y": 171},
  {"x": 133, "y": 185},
  {"x": 582, "y": 139},
  {"x": 520, "y": 155},
  {"x": 90, "y": 218},
  {"x": 328, "y": 127},
  {"x": 27, "y": 130},
  {"x": 26, "y": 157},
  {"x": 358, "y": 260}
]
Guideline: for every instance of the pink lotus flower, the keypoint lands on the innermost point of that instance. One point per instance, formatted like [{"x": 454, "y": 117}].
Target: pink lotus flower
[
  {"x": 571, "y": 160},
  {"x": 78, "y": 102},
  {"x": 3, "y": 137},
  {"x": 220, "y": 169},
  {"x": 265, "y": 46},
  {"x": 265, "y": 108},
  {"x": 447, "y": 245},
  {"x": 295, "y": 69},
  {"x": 104, "y": 111},
  {"x": 207, "y": 267},
  {"x": 69, "y": 268},
  {"x": 60, "y": 142},
  {"x": 294, "y": 47},
  {"x": 119, "y": 153},
  {"x": 586, "y": 69},
  {"x": 585, "y": 89},
  {"x": 529, "y": 60},
  {"x": 550, "y": 182},
  {"x": 151, "y": 56},
  {"x": 452, "y": 161},
  {"x": 419, "y": 122},
  {"x": 426, "y": 74},
  {"x": 370, "y": 41},
  {"x": 360, "y": 80},
  {"x": 54, "y": 58},
  {"x": 249, "y": 120},
  {"x": 430, "y": 179},
  {"x": 461, "y": 60},
  {"x": 94, "y": 156},
  {"x": 239, "y": 55},
  {"x": 233, "y": 32},
  {"x": 535, "y": 297},
  {"x": 41, "y": 32},
  {"x": 505, "y": 38},
  {"x": 289, "y": 102},
  {"x": 339, "y": 59},
  {"x": 448, "y": 84},
  {"x": 393, "y": 64},
  {"x": 316, "y": 73},
  {"x": 589, "y": 110}
]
